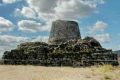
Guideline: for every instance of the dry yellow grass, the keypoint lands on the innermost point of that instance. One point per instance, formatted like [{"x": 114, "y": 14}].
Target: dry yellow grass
[{"x": 10, "y": 72}]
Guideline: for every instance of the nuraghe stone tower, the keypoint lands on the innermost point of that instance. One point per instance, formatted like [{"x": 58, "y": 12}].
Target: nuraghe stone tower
[
  {"x": 62, "y": 31},
  {"x": 65, "y": 48}
]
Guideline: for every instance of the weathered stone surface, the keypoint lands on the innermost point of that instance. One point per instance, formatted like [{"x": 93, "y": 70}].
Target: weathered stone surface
[
  {"x": 65, "y": 48},
  {"x": 62, "y": 31},
  {"x": 31, "y": 44},
  {"x": 88, "y": 44},
  {"x": 29, "y": 50}
]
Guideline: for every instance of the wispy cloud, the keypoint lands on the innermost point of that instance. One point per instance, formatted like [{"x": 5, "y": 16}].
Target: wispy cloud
[
  {"x": 9, "y": 1},
  {"x": 98, "y": 31},
  {"x": 5, "y": 25},
  {"x": 99, "y": 26},
  {"x": 104, "y": 37},
  {"x": 31, "y": 26}
]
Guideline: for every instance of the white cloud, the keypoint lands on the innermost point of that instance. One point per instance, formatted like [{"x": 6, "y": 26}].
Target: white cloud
[
  {"x": 63, "y": 9},
  {"x": 44, "y": 6},
  {"x": 31, "y": 26},
  {"x": 5, "y": 25},
  {"x": 49, "y": 10},
  {"x": 40, "y": 38},
  {"x": 28, "y": 12},
  {"x": 9, "y": 39},
  {"x": 17, "y": 12},
  {"x": 98, "y": 31},
  {"x": 8, "y": 42},
  {"x": 72, "y": 9},
  {"x": 102, "y": 37},
  {"x": 9, "y": 1},
  {"x": 99, "y": 26},
  {"x": 25, "y": 12}
]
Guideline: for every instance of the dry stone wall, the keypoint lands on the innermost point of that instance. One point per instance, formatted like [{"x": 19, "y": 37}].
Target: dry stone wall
[
  {"x": 65, "y": 48},
  {"x": 62, "y": 31}
]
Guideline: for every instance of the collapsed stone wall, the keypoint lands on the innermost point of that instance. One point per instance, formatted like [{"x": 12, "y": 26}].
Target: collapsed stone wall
[
  {"x": 26, "y": 52},
  {"x": 81, "y": 52}
]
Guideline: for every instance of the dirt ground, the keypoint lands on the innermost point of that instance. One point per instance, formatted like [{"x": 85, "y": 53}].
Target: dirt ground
[{"x": 12, "y": 72}]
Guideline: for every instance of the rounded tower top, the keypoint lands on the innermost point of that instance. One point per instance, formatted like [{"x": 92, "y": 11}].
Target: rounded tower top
[{"x": 62, "y": 31}]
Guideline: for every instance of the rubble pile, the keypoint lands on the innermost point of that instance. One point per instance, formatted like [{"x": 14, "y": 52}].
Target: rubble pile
[{"x": 26, "y": 51}]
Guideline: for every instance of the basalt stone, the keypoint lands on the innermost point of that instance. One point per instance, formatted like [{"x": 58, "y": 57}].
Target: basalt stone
[
  {"x": 62, "y": 31},
  {"x": 31, "y": 44},
  {"x": 88, "y": 44},
  {"x": 29, "y": 50}
]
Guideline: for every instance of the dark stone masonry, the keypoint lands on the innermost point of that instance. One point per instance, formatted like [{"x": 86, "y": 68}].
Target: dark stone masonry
[
  {"x": 62, "y": 31},
  {"x": 64, "y": 48}
]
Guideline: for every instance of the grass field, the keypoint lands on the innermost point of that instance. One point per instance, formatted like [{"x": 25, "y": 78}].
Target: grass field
[{"x": 12, "y": 72}]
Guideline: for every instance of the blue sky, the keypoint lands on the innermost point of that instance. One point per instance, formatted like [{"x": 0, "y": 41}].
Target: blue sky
[
  {"x": 30, "y": 20},
  {"x": 110, "y": 14}
]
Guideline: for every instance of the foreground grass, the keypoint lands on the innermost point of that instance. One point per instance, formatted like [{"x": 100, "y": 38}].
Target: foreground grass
[{"x": 106, "y": 72}]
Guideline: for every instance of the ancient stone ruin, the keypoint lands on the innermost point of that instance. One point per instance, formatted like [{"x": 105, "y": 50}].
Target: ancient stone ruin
[
  {"x": 64, "y": 48},
  {"x": 62, "y": 31}
]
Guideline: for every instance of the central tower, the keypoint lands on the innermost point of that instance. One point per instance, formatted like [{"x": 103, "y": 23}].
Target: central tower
[{"x": 62, "y": 31}]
